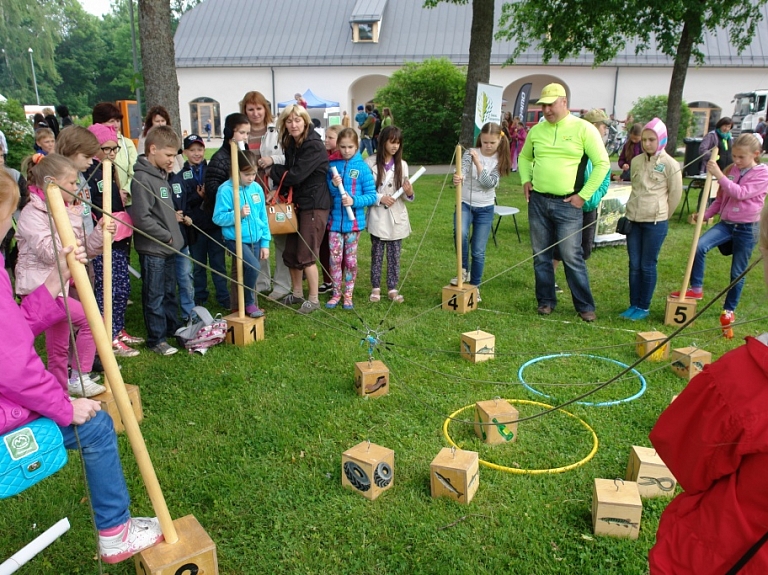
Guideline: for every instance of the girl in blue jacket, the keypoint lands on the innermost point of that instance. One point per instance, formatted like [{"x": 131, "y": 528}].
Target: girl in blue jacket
[
  {"x": 254, "y": 225},
  {"x": 356, "y": 179}
]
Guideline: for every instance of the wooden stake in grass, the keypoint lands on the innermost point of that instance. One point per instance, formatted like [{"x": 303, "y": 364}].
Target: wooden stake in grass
[{"x": 459, "y": 254}]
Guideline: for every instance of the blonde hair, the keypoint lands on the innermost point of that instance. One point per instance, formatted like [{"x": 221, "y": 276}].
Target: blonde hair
[
  {"x": 77, "y": 140},
  {"x": 41, "y": 133},
  {"x": 348, "y": 134},
  {"x": 335, "y": 129},
  {"x": 9, "y": 195},
  {"x": 162, "y": 137},
  {"x": 41, "y": 168},
  {"x": 285, "y": 137},
  {"x": 749, "y": 141},
  {"x": 257, "y": 99}
]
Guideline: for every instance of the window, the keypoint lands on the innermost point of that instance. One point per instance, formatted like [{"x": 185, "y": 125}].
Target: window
[{"x": 365, "y": 31}]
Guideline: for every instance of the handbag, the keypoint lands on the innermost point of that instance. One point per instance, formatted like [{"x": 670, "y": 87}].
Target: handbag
[
  {"x": 122, "y": 230},
  {"x": 623, "y": 226},
  {"x": 202, "y": 332},
  {"x": 281, "y": 214},
  {"x": 29, "y": 454}
]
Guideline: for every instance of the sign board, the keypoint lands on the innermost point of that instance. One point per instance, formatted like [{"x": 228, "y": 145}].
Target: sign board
[
  {"x": 611, "y": 208},
  {"x": 487, "y": 106}
]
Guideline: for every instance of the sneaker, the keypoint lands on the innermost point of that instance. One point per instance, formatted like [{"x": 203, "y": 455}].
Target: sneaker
[
  {"x": 88, "y": 386},
  {"x": 639, "y": 314},
  {"x": 254, "y": 311},
  {"x": 121, "y": 349},
  {"x": 291, "y": 299},
  {"x": 558, "y": 289},
  {"x": 627, "y": 314},
  {"x": 479, "y": 299},
  {"x": 690, "y": 294},
  {"x": 137, "y": 534},
  {"x": 727, "y": 318},
  {"x": 125, "y": 337},
  {"x": 164, "y": 348},
  {"x": 465, "y": 278},
  {"x": 308, "y": 307},
  {"x": 325, "y": 287}
]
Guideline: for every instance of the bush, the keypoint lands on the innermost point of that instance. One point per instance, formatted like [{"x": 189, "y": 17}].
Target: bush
[
  {"x": 650, "y": 107},
  {"x": 18, "y": 131},
  {"x": 427, "y": 101}
]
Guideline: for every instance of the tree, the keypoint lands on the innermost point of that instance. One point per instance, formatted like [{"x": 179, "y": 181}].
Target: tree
[
  {"x": 426, "y": 100},
  {"x": 18, "y": 132},
  {"x": 479, "y": 68},
  {"x": 646, "y": 109},
  {"x": 158, "y": 57},
  {"x": 566, "y": 28}
]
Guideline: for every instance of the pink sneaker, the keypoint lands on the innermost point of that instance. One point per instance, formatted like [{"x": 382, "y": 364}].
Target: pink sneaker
[
  {"x": 137, "y": 534},
  {"x": 125, "y": 337},
  {"x": 121, "y": 349}
]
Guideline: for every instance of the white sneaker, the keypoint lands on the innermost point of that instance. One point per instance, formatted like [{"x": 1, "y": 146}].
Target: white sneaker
[
  {"x": 90, "y": 387},
  {"x": 138, "y": 533},
  {"x": 465, "y": 278}
]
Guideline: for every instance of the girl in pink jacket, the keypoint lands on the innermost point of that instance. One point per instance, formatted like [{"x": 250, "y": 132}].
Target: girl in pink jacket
[
  {"x": 37, "y": 259},
  {"x": 743, "y": 188}
]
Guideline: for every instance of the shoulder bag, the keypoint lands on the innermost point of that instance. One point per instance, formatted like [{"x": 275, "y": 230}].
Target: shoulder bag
[{"x": 281, "y": 212}]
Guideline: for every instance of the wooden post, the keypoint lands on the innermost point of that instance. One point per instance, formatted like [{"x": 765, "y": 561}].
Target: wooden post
[
  {"x": 459, "y": 254},
  {"x": 681, "y": 309},
  {"x": 107, "y": 356},
  {"x": 107, "y": 255}
]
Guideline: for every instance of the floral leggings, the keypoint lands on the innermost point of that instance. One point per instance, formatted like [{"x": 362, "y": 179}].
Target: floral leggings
[
  {"x": 343, "y": 247},
  {"x": 121, "y": 287},
  {"x": 393, "y": 262}
]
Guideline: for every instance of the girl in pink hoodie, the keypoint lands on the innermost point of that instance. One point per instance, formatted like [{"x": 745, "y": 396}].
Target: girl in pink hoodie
[{"x": 37, "y": 259}]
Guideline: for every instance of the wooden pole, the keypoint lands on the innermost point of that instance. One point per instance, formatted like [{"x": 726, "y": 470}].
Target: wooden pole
[
  {"x": 460, "y": 274},
  {"x": 107, "y": 356},
  {"x": 697, "y": 232},
  {"x": 107, "y": 256},
  {"x": 238, "y": 230}
]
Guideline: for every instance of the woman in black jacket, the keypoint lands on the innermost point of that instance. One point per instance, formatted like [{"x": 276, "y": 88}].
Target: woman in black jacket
[{"x": 305, "y": 170}]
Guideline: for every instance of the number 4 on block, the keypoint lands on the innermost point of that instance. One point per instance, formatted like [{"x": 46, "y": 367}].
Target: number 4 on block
[{"x": 459, "y": 300}]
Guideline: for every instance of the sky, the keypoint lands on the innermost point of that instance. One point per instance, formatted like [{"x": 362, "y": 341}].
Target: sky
[{"x": 96, "y": 7}]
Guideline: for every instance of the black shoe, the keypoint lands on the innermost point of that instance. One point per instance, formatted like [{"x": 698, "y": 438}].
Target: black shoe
[
  {"x": 325, "y": 288},
  {"x": 97, "y": 365}
]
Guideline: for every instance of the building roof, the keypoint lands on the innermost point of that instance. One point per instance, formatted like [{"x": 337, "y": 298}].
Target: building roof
[{"x": 281, "y": 33}]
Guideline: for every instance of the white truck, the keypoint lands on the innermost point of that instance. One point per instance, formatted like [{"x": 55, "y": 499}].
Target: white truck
[{"x": 749, "y": 107}]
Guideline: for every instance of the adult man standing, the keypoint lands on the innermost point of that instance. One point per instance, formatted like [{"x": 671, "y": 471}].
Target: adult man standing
[{"x": 552, "y": 164}]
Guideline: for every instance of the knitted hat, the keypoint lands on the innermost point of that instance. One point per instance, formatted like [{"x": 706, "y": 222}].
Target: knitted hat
[
  {"x": 658, "y": 127},
  {"x": 103, "y": 133}
]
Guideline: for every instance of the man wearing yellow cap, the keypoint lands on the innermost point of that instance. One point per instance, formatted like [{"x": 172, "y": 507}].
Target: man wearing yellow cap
[{"x": 552, "y": 166}]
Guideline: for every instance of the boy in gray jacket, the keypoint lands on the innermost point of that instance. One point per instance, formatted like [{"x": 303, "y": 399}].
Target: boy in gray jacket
[{"x": 153, "y": 213}]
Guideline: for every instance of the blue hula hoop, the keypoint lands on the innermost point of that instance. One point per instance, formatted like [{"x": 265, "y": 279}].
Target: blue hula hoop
[{"x": 643, "y": 384}]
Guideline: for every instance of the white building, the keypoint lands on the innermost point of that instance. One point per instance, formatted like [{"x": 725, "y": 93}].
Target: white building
[{"x": 344, "y": 50}]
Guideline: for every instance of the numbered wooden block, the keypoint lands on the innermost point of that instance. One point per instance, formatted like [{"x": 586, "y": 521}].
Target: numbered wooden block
[
  {"x": 371, "y": 378},
  {"x": 477, "y": 346},
  {"x": 109, "y": 404},
  {"x": 368, "y": 469},
  {"x": 496, "y": 412},
  {"x": 242, "y": 331},
  {"x": 689, "y": 362},
  {"x": 455, "y": 474},
  {"x": 651, "y": 474},
  {"x": 651, "y": 340},
  {"x": 616, "y": 508},
  {"x": 461, "y": 300},
  {"x": 193, "y": 554},
  {"x": 679, "y": 312}
]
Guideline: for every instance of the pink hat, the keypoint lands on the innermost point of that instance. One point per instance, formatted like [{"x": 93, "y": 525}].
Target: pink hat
[
  {"x": 660, "y": 129},
  {"x": 103, "y": 133}
]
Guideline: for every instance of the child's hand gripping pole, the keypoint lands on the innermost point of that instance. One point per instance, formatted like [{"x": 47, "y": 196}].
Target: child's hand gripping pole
[
  {"x": 350, "y": 211},
  {"x": 412, "y": 180}
]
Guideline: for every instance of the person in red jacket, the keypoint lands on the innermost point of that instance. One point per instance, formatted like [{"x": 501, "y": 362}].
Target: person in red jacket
[{"x": 714, "y": 439}]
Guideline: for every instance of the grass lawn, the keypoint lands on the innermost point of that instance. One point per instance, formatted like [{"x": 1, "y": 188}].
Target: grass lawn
[{"x": 249, "y": 440}]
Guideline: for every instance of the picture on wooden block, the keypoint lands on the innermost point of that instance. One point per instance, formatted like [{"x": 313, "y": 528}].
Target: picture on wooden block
[
  {"x": 649, "y": 341},
  {"x": 502, "y": 418},
  {"x": 459, "y": 300},
  {"x": 371, "y": 378},
  {"x": 651, "y": 474},
  {"x": 455, "y": 473},
  {"x": 368, "y": 469},
  {"x": 477, "y": 346},
  {"x": 616, "y": 508},
  {"x": 688, "y": 362}
]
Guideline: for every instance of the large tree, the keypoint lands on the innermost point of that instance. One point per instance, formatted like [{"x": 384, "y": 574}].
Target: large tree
[
  {"x": 566, "y": 28},
  {"x": 479, "y": 67}
]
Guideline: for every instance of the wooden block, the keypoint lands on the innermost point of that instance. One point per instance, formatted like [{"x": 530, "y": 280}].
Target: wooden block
[
  {"x": 371, "y": 378},
  {"x": 477, "y": 346},
  {"x": 496, "y": 411},
  {"x": 455, "y": 474},
  {"x": 193, "y": 554},
  {"x": 674, "y": 397},
  {"x": 651, "y": 474},
  {"x": 368, "y": 469},
  {"x": 616, "y": 508},
  {"x": 649, "y": 340},
  {"x": 678, "y": 312},
  {"x": 689, "y": 362},
  {"x": 109, "y": 405},
  {"x": 460, "y": 300},
  {"x": 243, "y": 331}
]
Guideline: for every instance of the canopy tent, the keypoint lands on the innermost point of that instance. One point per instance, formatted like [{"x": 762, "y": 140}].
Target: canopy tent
[{"x": 312, "y": 102}]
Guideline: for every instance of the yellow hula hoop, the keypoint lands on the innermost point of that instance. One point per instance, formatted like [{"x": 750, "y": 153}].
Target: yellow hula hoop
[{"x": 497, "y": 467}]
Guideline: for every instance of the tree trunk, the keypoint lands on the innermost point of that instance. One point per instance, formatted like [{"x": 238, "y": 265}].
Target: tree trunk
[
  {"x": 677, "y": 83},
  {"x": 479, "y": 68},
  {"x": 161, "y": 86}
]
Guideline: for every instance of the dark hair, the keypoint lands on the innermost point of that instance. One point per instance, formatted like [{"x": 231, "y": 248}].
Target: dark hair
[
  {"x": 77, "y": 140},
  {"x": 502, "y": 151},
  {"x": 151, "y": 113},
  {"x": 231, "y": 122},
  {"x": 723, "y": 122},
  {"x": 246, "y": 161},
  {"x": 390, "y": 134},
  {"x": 62, "y": 110},
  {"x": 629, "y": 147},
  {"x": 39, "y": 121},
  {"x": 103, "y": 112}
]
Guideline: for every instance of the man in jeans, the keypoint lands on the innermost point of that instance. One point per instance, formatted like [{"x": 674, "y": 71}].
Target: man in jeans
[{"x": 552, "y": 165}]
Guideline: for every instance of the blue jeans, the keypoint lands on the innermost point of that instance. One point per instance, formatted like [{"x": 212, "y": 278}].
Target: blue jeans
[
  {"x": 643, "y": 246},
  {"x": 109, "y": 494},
  {"x": 158, "y": 297},
  {"x": 550, "y": 220},
  {"x": 251, "y": 267},
  {"x": 744, "y": 237},
  {"x": 366, "y": 144},
  {"x": 184, "y": 281},
  {"x": 208, "y": 252},
  {"x": 481, "y": 220}
]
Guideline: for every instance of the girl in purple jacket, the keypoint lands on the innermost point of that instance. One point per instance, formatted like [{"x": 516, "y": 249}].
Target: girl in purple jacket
[{"x": 743, "y": 188}]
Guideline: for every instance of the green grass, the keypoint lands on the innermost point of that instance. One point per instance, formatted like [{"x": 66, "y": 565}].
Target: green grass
[{"x": 249, "y": 440}]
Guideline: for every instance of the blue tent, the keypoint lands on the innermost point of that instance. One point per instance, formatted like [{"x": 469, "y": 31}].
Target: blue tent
[{"x": 312, "y": 102}]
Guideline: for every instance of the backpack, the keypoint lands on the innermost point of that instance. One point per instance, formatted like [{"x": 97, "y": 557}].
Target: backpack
[{"x": 202, "y": 331}]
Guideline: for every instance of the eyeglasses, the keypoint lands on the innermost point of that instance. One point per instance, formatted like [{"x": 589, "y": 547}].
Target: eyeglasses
[{"x": 108, "y": 150}]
